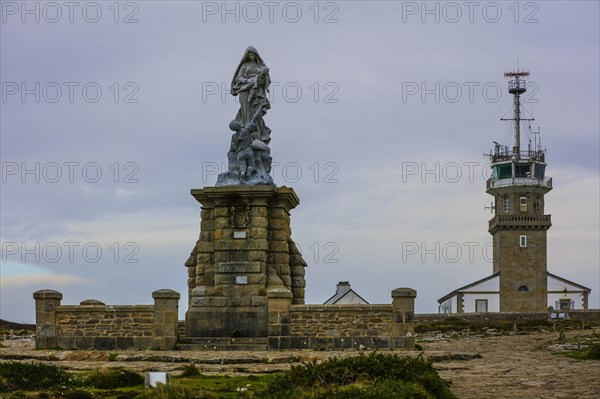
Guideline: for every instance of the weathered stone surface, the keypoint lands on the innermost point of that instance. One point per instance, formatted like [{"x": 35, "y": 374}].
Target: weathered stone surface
[
  {"x": 239, "y": 267},
  {"x": 98, "y": 326},
  {"x": 199, "y": 290},
  {"x": 244, "y": 267}
]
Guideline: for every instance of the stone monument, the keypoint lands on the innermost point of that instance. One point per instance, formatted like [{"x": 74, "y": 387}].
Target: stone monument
[
  {"x": 245, "y": 273},
  {"x": 249, "y": 157},
  {"x": 245, "y": 257}
]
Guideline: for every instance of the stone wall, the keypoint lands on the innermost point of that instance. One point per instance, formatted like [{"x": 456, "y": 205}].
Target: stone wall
[
  {"x": 482, "y": 319},
  {"x": 328, "y": 327},
  {"x": 94, "y": 325},
  {"x": 340, "y": 320}
]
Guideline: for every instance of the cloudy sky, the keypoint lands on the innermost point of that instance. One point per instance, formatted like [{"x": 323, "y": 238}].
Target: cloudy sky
[{"x": 381, "y": 113}]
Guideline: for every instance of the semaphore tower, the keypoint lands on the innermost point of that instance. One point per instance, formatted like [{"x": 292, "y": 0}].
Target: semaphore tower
[{"x": 518, "y": 185}]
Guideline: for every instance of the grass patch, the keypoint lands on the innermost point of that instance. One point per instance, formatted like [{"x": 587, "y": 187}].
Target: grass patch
[
  {"x": 189, "y": 370},
  {"x": 175, "y": 391},
  {"x": 111, "y": 378},
  {"x": 375, "y": 376},
  {"x": 593, "y": 352},
  {"x": 227, "y": 387},
  {"x": 16, "y": 376}
]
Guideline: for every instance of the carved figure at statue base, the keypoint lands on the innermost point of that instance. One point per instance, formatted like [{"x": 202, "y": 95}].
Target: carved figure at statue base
[{"x": 249, "y": 159}]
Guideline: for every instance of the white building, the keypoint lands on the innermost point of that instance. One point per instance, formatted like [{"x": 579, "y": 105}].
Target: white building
[
  {"x": 484, "y": 296},
  {"x": 345, "y": 295}
]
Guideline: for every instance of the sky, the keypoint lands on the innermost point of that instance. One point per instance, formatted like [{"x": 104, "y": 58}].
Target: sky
[{"x": 382, "y": 111}]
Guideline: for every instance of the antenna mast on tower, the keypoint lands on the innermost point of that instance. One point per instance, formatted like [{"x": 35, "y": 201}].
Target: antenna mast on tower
[{"x": 516, "y": 87}]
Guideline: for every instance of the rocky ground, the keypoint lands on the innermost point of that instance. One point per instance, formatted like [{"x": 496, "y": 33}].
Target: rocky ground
[
  {"x": 484, "y": 366},
  {"x": 521, "y": 366}
]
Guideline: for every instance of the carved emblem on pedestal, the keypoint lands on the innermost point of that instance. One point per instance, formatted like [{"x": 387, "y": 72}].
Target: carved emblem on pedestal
[{"x": 239, "y": 215}]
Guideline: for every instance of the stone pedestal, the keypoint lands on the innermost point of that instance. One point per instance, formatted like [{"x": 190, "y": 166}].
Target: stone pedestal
[
  {"x": 166, "y": 320},
  {"x": 46, "y": 302},
  {"x": 279, "y": 302},
  {"x": 403, "y": 316},
  {"x": 245, "y": 249}
]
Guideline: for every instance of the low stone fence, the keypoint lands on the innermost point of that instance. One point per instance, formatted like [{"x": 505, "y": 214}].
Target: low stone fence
[
  {"x": 591, "y": 317},
  {"x": 94, "y": 325},
  {"x": 328, "y": 327}
]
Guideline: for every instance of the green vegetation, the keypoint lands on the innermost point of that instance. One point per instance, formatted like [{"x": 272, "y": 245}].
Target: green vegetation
[
  {"x": 224, "y": 386},
  {"x": 111, "y": 378},
  {"x": 593, "y": 352},
  {"x": 175, "y": 391},
  {"x": 15, "y": 376},
  {"x": 189, "y": 370},
  {"x": 373, "y": 376},
  {"x": 362, "y": 377}
]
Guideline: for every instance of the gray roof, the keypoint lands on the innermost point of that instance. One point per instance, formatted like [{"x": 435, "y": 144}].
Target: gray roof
[
  {"x": 337, "y": 297},
  {"x": 456, "y": 291}
]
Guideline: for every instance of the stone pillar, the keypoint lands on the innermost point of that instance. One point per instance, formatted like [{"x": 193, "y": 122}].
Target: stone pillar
[
  {"x": 46, "y": 328},
  {"x": 297, "y": 266},
  {"x": 243, "y": 251},
  {"x": 280, "y": 300},
  {"x": 166, "y": 311},
  {"x": 403, "y": 316}
]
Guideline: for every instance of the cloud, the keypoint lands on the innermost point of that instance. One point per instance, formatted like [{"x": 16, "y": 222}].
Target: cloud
[
  {"x": 29, "y": 280},
  {"x": 351, "y": 153}
]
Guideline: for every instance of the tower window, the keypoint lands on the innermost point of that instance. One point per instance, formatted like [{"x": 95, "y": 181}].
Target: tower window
[
  {"x": 506, "y": 204},
  {"x": 522, "y": 170},
  {"x": 523, "y": 204},
  {"x": 523, "y": 241},
  {"x": 523, "y": 288}
]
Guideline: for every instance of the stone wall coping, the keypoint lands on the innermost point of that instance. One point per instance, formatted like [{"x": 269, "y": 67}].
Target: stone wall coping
[
  {"x": 404, "y": 292},
  {"x": 345, "y": 308},
  {"x": 91, "y": 302},
  {"x": 104, "y": 308},
  {"x": 501, "y": 314},
  {"x": 207, "y": 195},
  {"x": 47, "y": 294},
  {"x": 165, "y": 294}
]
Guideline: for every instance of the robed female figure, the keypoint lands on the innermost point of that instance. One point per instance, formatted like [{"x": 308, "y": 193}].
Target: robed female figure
[{"x": 251, "y": 82}]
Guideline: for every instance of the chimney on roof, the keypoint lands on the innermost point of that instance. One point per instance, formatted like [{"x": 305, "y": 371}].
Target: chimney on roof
[{"x": 342, "y": 287}]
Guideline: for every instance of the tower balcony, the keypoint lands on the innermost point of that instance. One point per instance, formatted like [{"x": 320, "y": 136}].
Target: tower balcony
[
  {"x": 520, "y": 222},
  {"x": 545, "y": 182}
]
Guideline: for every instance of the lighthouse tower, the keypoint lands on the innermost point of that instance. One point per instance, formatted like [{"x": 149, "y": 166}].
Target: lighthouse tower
[{"x": 518, "y": 185}]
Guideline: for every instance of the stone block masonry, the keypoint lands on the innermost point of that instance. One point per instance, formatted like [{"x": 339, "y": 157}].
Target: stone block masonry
[
  {"x": 244, "y": 251},
  {"x": 94, "y": 325},
  {"x": 329, "y": 327}
]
